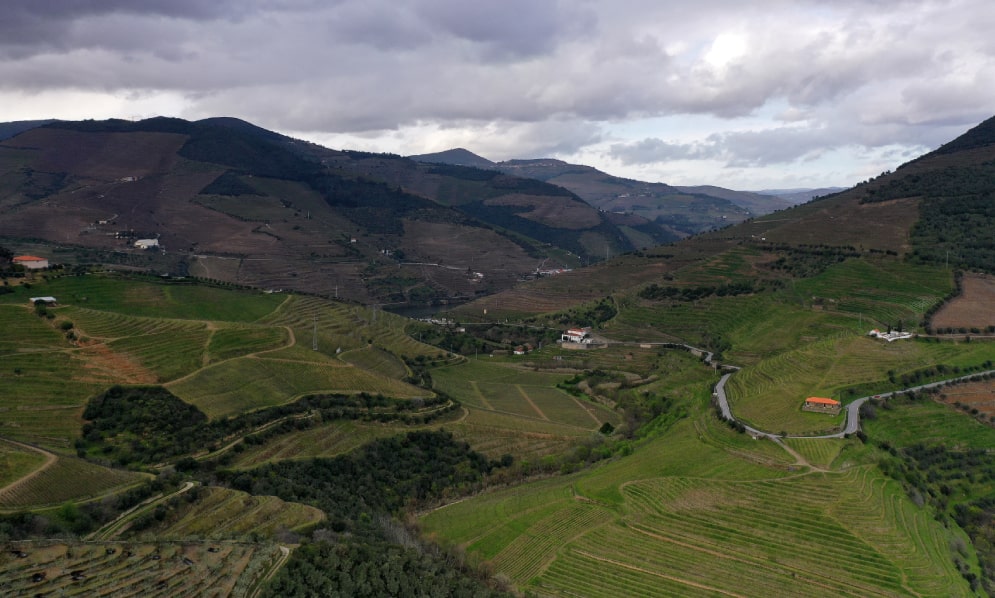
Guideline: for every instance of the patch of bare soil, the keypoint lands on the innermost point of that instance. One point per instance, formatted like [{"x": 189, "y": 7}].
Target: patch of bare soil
[
  {"x": 977, "y": 398},
  {"x": 974, "y": 308},
  {"x": 102, "y": 364}
]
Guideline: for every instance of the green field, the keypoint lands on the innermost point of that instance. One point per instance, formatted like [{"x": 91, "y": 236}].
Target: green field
[
  {"x": 716, "y": 523},
  {"x": 769, "y": 395},
  {"x": 67, "y": 479},
  {"x": 517, "y": 411},
  {"x": 16, "y": 462},
  {"x": 246, "y": 384}
]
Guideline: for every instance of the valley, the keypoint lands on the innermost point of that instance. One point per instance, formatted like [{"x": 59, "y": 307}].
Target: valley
[{"x": 268, "y": 434}]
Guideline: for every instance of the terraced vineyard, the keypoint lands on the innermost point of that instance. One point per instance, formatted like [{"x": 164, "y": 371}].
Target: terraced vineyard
[
  {"x": 801, "y": 536},
  {"x": 66, "y": 479},
  {"x": 162, "y": 568},
  {"x": 250, "y": 383},
  {"x": 507, "y": 390},
  {"x": 223, "y": 513},
  {"x": 327, "y": 440},
  {"x": 818, "y": 534}
]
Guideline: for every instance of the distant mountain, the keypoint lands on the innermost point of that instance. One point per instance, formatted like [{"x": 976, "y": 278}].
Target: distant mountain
[
  {"x": 8, "y": 130},
  {"x": 935, "y": 210},
  {"x": 229, "y": 200},
  {"x": 757, "y": 203},
  {"x": 457, "y": 157},
  {"x": 679, "y": 211},
  {"x": 797, "y": 196},
  {"x": 683, "y": 211}
]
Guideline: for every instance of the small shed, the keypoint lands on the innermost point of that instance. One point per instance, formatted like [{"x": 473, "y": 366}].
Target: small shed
[
  {"x": 822, "y": 405},
  {"x": 43, "y": 300},
  {"x": 31, "y": 262}
]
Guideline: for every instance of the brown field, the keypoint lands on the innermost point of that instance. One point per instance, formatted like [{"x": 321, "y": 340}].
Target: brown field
[
  {"x": 976, "y": 395},
  {"x": 975, "y": 307}
]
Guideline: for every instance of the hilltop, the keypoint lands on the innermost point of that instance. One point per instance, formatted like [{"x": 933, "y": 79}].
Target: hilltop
[{"x": 230, "y": 201}]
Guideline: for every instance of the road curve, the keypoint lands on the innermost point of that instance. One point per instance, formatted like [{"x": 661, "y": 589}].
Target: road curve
[{"x": 852, "y": 408}]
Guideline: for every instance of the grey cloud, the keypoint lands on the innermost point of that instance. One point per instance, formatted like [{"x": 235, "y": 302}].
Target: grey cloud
[{"x": 554, "y": 73}]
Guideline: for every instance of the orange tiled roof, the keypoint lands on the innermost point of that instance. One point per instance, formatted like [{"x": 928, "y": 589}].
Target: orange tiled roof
[
  {"x": 28, "y": 258},
  {"x": 821, "y": 401}
]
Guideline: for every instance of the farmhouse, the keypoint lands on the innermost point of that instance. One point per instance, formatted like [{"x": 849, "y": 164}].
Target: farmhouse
[
  {"x": 45, "y": 300},
  {"x": 576, "y": 335},
  {"x": 146, "y": 243},
  {"x": 822, "y": 405},
  {"x": 892, "y": 335},
  {"x": 31, "y": 262}
]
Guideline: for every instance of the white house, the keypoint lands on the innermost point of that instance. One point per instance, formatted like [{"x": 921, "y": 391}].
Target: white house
[
  {"x": 576, "y": 335},
  {"x": 146, "y": 243},
  {"x": 894, "y": 335},
  {"x": 31, "y": 262}
]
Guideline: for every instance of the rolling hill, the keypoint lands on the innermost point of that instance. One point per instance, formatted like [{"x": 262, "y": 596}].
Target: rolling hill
[
  {"x": 290, "y": 435},
  {"x": 231, "y": 201},
  {"x": 681, "y": 210}
]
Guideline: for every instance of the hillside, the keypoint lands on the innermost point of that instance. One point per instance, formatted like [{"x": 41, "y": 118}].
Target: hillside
[
  {"x": 167, "y": 434},
  {"x": 681, "y": 211},
  {"x": 230, "y": 201}
]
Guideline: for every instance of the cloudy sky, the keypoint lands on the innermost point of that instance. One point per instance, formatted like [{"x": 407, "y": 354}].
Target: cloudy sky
[{"x": 747, "y": 95}]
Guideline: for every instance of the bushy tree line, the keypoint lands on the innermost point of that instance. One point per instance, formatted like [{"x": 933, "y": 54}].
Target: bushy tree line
[
  {"x": 381, "y": 477},
  {"x": 373, "y": 569},
  {"x": 655, "y": 292},
  {"x": 150, "y": 425}
]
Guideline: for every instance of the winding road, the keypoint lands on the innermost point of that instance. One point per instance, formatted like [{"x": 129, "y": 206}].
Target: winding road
[{"x": 852, "y": 409}]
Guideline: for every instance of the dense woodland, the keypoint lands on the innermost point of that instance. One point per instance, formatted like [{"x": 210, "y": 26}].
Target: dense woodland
[
  {"x": 359, "y": 553},
  {"x": 138, "y": 426}
]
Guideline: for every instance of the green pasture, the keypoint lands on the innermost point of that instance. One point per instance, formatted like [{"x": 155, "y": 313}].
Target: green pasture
[
  {"x": 16, "y": 462},
  {"x": 928, "y": 422}
]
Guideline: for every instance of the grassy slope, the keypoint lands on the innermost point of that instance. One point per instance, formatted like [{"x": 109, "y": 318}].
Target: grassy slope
[{"x": 702, "y": 511}]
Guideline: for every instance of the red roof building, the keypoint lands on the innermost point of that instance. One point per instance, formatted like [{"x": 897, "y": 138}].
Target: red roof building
[
  {"x": 31, "y": 262},
  {"x": 822, "y": 405}
]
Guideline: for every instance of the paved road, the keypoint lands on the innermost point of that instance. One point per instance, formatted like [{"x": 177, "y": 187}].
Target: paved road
[{"x": 852, "y": 409}]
